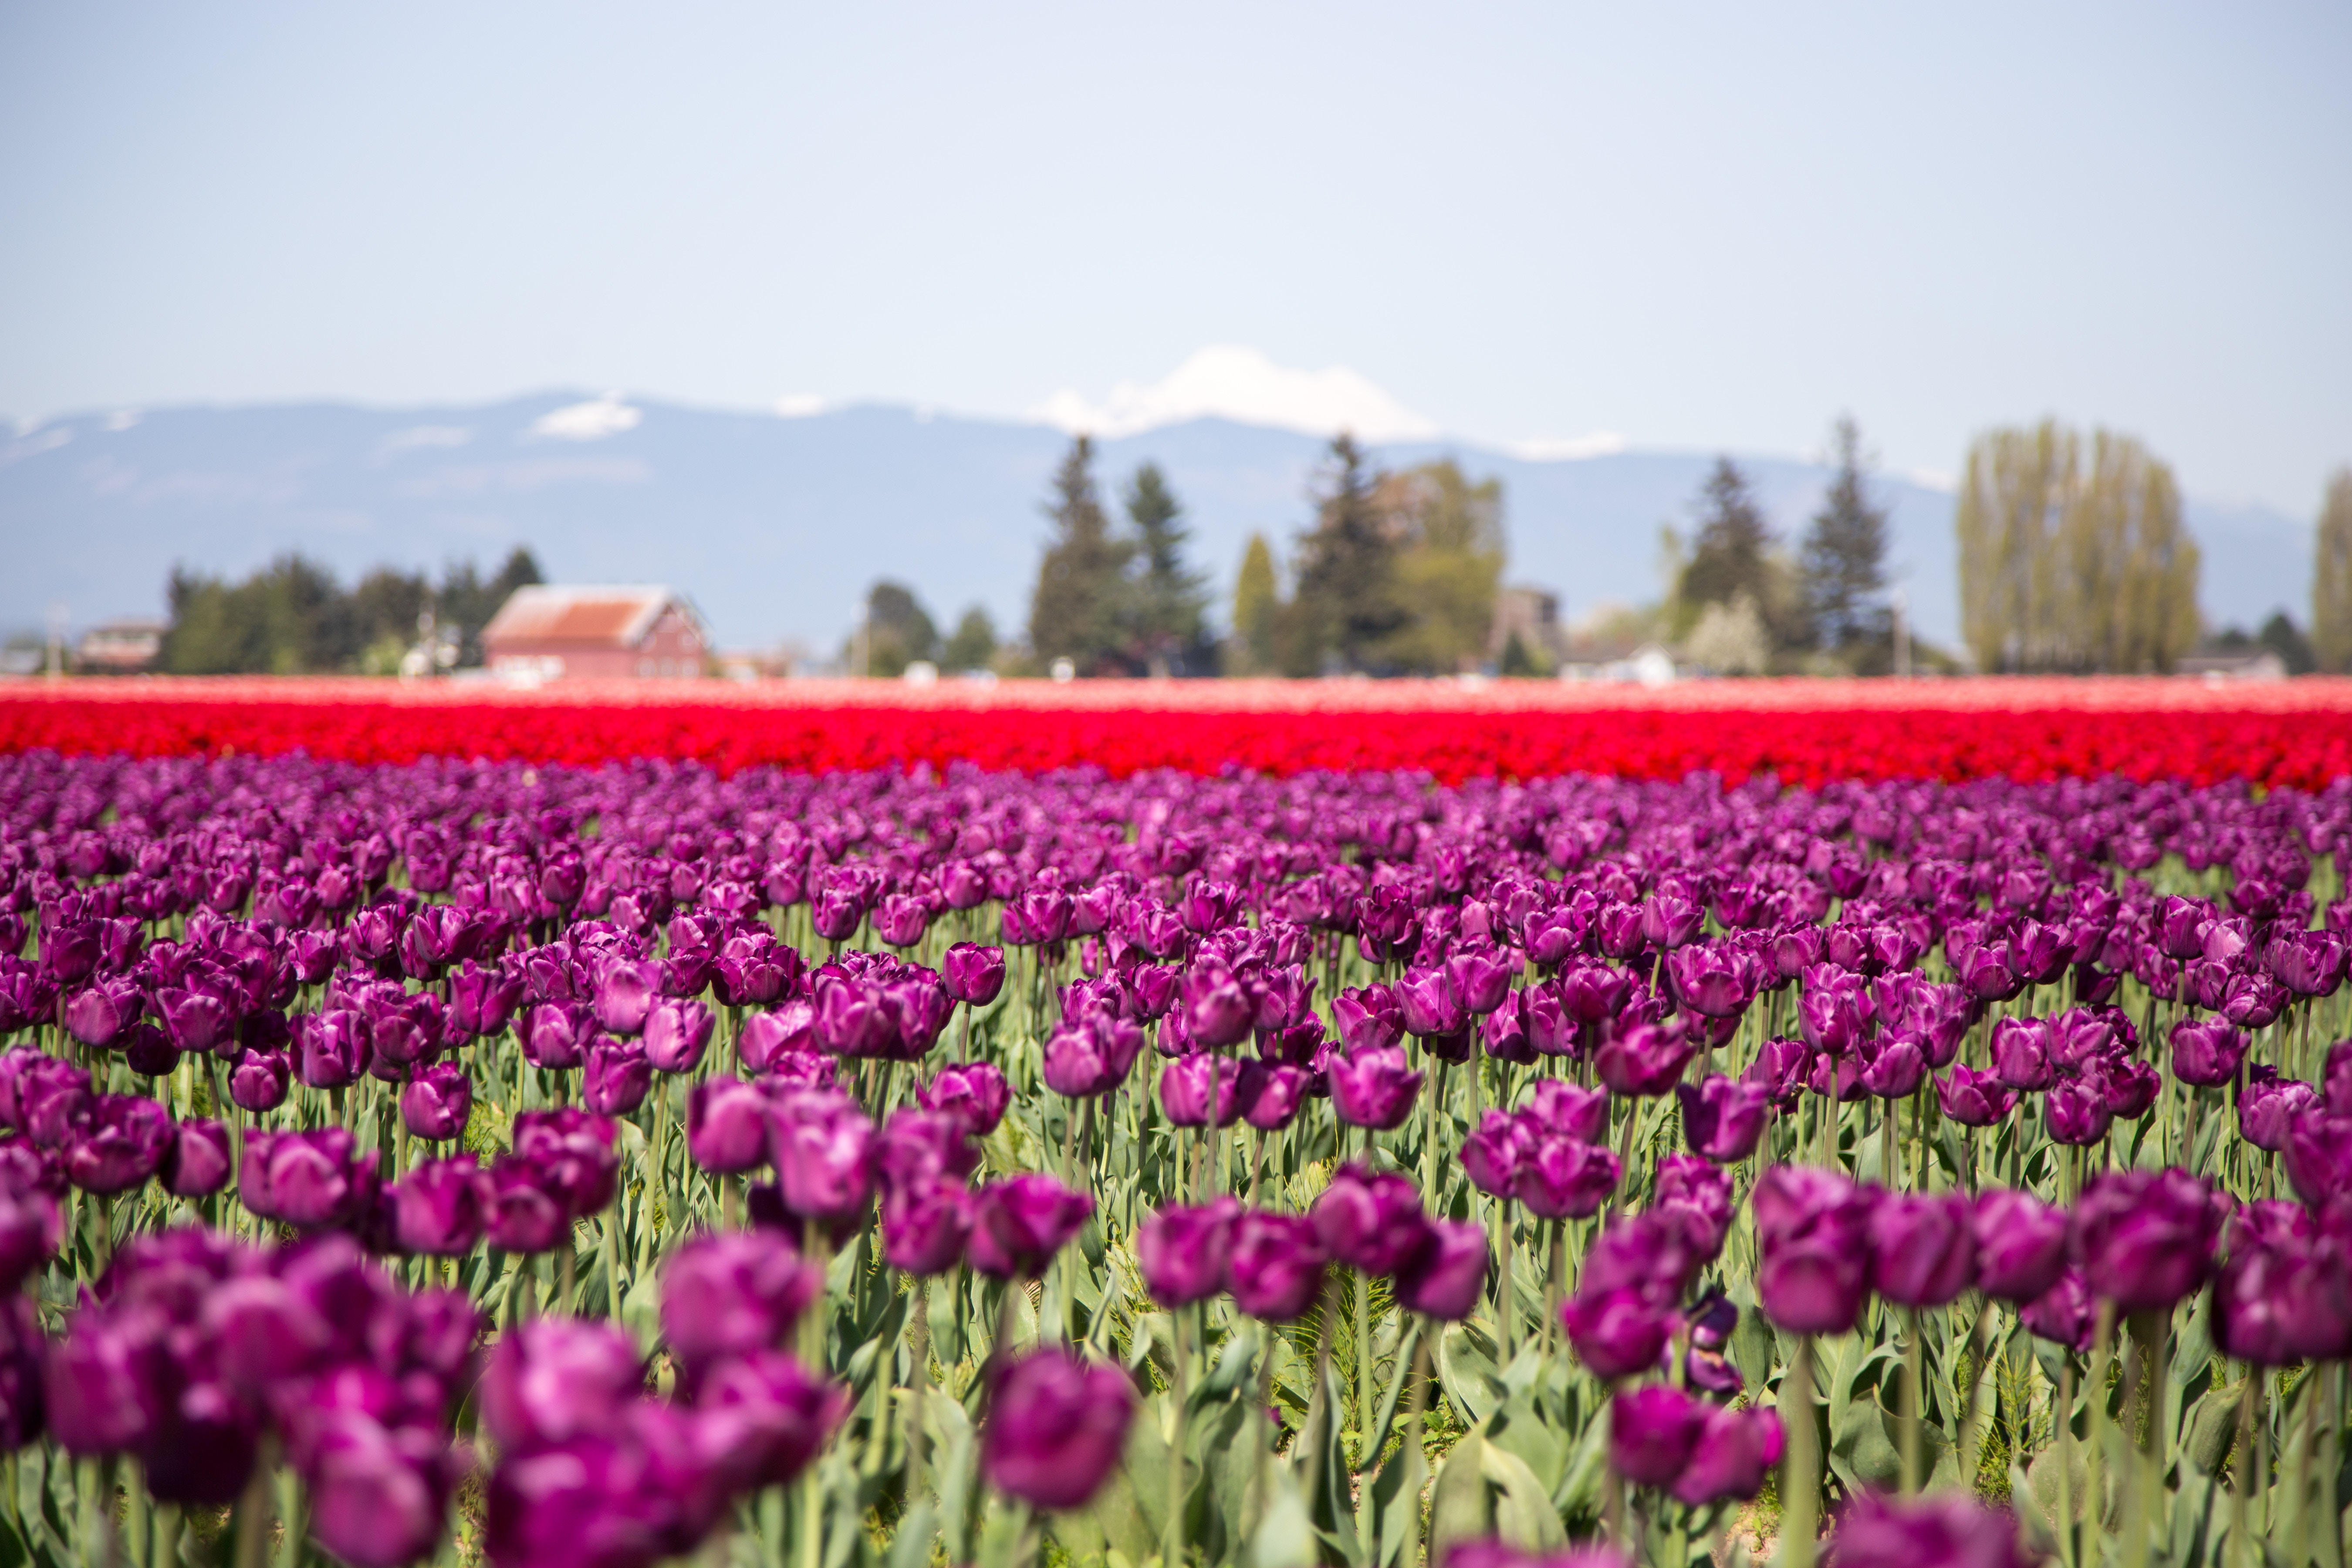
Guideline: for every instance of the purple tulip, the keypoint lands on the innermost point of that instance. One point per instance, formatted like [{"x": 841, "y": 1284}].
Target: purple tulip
[
  {"x": 121, "y": 1145},
  {"x": 2318, "y": 1155},
  {"x": 777, "y": 1413},
  {"x": 1056, "y": 1426},
  {"x": 1894, "y": 1069},
  {"x": 2076, "y": 1111},
  {"x": 675, "y": 1033},
  {"x": 1371, "y": 1222},
  {"x": 1271, "y": 1093},
  {"x": 1019, "y": 1223},
  {"x": 625, "y": 996},
  {"x": 1426, "y": 1002},
  {"x": 197, "y": 1160},
  {"x": 309, "y": 1180},
  {"x": 1275, "y": 1268},
  {"x": 1973, "y": 1098},
  {"x": 822, "y": 1147},
  {"x": 96, "y": 1014},
  {"x": 1922, "y": 1248},
  {"x": 1734, "y": 1451},
  {"x": 1557, "y": 1106},
  {"x": 436, "y": 1102},
  {"x": 1694, "y": 1197},
  {"x": 526, "y": 1214},
  {"x": 1183, "y": 1251},
  {"x": 1372, "y": 1086},
  {"x": 556, "y": 1036},
  {"x": 439, "y": 1207},
  {"x": 1564, "y": 1178},
  {"x": 196, "y": 1020},
  {"x": 618, "y": 1077},
  {"x": 1368, "y": 1017},
  {"x": 1091, "y": 1054},
  {"x": 333, "y": 1049},
  {"x": 1724, "y": 1118},
  {"x": 973, "y": 974},
  {"x": 975, "y": 1095},
  {"x": 766, "y": 1038},
  {"x": 727, "y": 1126},
  {"x": 924, "y": 1228},
  {"x": 1449, "y": 1275},
  {"x": 2144, "y": 1240},
  {"x": 734, "y": 1293},
  {"x": 2207, "y": 1053},
  {"x": 1651, "y": 1432},
  {"x": 1491, "y": 1156},
  {"x": 2285, "y": 1295},
  {"x": 645, "y": 1487},
  {"x": 1711, "y": 981},
  {"x": 2021, "y": 1244},
  {"x": 104, "y": 1381},
  {"x": 1645, "y": 1059},
  {"x": 1949, "y": 1531},
  {"x": 1619, "y": 1333},
  {"x": 2270, "y": 1105},
  {"x": 482, "y": 1001},
  {"x": 1812, "y": 1235},
  {"x": 258, "y": 1080},
  {"x": 2020, "y": 1053},
  {"x": 574, "y": 1151},
  {"x": 2065, "y": 1314},
  {"x": 375, "y": 1500},
  {"x": 1185, "y": 1087}
]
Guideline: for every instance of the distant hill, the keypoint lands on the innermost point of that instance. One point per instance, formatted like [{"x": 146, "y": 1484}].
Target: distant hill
[{"x": 775, "y": 526}]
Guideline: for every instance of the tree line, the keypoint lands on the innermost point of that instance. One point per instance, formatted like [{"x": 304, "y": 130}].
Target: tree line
[{"x": 293, "y": 617}]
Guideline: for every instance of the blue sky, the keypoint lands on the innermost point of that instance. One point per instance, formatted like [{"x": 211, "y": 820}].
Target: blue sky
[{"x": 1675, "y": 226}]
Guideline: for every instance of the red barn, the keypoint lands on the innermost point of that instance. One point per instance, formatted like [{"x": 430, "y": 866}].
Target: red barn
[{"x": 551, "y": 633}]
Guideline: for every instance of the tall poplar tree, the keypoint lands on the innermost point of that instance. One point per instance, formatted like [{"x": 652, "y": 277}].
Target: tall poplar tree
[
  {"x": 2331, "y": 578},
  {"x": 1257, "y": 611}
]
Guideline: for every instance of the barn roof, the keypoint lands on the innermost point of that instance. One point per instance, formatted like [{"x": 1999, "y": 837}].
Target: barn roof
[{"x": 606, "y": 616}]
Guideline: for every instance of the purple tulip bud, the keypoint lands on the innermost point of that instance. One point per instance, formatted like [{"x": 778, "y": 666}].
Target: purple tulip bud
[
  {"x": 1645, "y": 1059},
  {"x": 976, "y": 1095},
  {"x": 1491, "y": 1156},
  {"x": 437, "y": 1208},
  {"x": 973, "y": 974},
  {"x": 436, "y": 1102},
  {"x": 822, "y": 1147},
  {"x": 1812, "y": 1233},
  {"x": 147, "y": 1051},
  {"x": 197, "y": 1160},
  {"x": 2206, "y": 1053},
  {"x": 1724, "y": 1118},
  {"x": 1019, "y": 1223},
  {"x": 1090, "y": 1054},
  {"x": 1185, "y": 1085},
  {"x": 1949, "y": 1531},
  {"x": 1371, "y": 1222},
  {"x": 259, "y": 1080},
  {"x": 730, "y": 1294},
  {"x": 332, "y": 1048},
  {"x": 1922, "y": 1249},
  {"x": 552, "y": 1379},
  {"x": 1734, "y": 1451},
  {"x": 1276, "y": 1269},
  {"x": 727, "y": 1126},
  {"x": 1183, "y": 1251},
  {"x": 1694, "y": 1197},
  {"x": 1448, "y": 1276},
  {"x": 2076, "y": 1111},
  {"x": 1973, "y": 1098},
  {"x": 2021, "y": 1244},
  {"x": 526, "y": 1214},
  {"x": 1669, "y": 921},
  {"x": 778, "y": 1412},
  {"x": 2144, "y": 1240},
  {"x": 1651, "y": 1432},
  {"x": 1374, "y": 1087},
  {"x": 675, "y": 1033},
  {"x": 1056, "y": 1426},
  {"x": 120, "y": 1145}
]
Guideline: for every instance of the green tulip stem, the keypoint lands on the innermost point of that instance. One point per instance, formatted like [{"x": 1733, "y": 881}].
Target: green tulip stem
[
  {"x": 1505, "y": 1308},
  {"x": 1174, "y": 1553},
  {"x": 2094, "y": 1435},
  {"x": 1363, "y": 1368},
  {"x": 2065, "y": 1425},
  {"x": 2246, "y": 1464},
  {"x": 1801, "y": 1473},
  {"x": 1913, "y": 1388}
]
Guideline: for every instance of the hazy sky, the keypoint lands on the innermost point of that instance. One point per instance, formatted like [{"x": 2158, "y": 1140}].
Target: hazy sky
[{"x": 1691, "y": 226}]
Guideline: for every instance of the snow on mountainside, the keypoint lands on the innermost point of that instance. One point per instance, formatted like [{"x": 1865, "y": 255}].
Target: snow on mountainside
[{"x": 776, "y": 525}]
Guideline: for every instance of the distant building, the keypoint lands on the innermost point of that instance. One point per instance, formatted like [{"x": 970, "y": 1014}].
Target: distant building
[
  {"x": 2252, "y": 663},
  {"x": 121, "y": 647},
  {"x": 1532, "y": 615},
  {"x": 635, "y": 633}
]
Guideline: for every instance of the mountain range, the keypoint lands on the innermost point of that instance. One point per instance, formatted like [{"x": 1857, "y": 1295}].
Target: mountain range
[{"x": 776, "y": 525}]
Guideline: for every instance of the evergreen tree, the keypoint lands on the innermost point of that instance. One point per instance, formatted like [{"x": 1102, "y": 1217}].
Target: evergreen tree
[
  {"x": 2331, "y": 578},
  {"x": 1348, "y": 602},
  {"x": 897, "y": 630},
  {"x": 1449, "y": 567},
  {"x": 1078, "y": 609},
  {"x": 1171, "y": 600},
  {"x": 1732, "y": 551},
  {"x": 292, "y": 618},
  {"x": 2284, "y": 638},
  {"x": 1257, "y": 611},
  {"x": 972, "y": 643},
  {"x": 1842, "y": 567}
]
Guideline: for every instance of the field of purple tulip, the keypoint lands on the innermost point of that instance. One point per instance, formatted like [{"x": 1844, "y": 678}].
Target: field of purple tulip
[{"x": 549, "y": 1166}]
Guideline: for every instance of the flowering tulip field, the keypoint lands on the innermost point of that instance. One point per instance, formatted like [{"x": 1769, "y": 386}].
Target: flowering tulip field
[{"x": 552, "y": 1165}]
